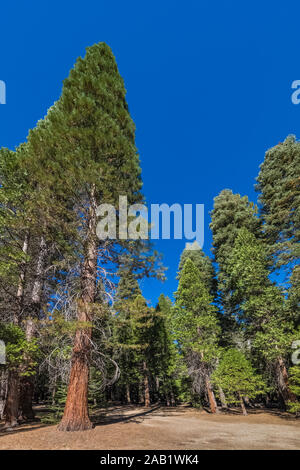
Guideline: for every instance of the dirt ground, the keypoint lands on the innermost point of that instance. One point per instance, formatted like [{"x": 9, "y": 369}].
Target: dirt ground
[{"x": 129, "y": 427}]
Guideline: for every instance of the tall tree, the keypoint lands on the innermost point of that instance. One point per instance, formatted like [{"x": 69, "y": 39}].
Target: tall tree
[
  {"x": 90, "y": 136},
  {"x": 124, "y": 333},
  {"x": 230, "y": 213},
  {"x": 196, "y": 327},
  {"x": 279, "y": 196},
  {"x": 165, "y": 357},
  {"x": 269, "y": 325}
]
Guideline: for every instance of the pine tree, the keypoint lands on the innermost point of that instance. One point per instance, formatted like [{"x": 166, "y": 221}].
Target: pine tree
[
  {"x": 278, "y": 185},
  {"x": 237, "y": 378},
  {"x": 262, "y": 308},
  {"x": 16, "y": 224},
  {"x": 196, "y": 327},
  {"x": 294, "y": 406},
  {"x": 164, "y": 357},
  {"x": 124, "y": 333},
  {"x": 230, "y": 213},
  {"x": 143, "y": 318},
  {"x": 204, "y": 265}
]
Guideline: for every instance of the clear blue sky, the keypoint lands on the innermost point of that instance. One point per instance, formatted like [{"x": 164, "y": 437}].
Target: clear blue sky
[{"x": 209, "y": 87}]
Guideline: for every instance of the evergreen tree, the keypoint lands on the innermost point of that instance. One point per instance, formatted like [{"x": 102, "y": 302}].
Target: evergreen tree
[
  {"x": 165, "y": 352},
  {"x": 204, "y": 265},
  {"x": 124, "y": 341},
  {"x": 196, "y": 327},
  {"x": 262, "y": 308},
  {"x": 143, "y": 318},
  {"x": 237, "y": 378},
  {"x": 90, "y": 136},
  {"x": 294, "y": 406},
  {"x": 230, "y": 213},
  {"x": 278, "y": 185}
]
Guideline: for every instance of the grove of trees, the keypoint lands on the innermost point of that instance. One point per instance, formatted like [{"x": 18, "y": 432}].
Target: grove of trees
[{"x": 78, "y": 332}]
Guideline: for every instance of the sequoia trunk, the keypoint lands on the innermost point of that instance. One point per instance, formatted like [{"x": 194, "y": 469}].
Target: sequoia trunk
[
  {"x": 76, "y": 414},
  {"x": 11, "y": 409}
]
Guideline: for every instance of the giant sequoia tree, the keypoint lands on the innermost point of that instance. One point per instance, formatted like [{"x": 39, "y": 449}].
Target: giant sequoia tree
[{"x": 90, "y": 136}]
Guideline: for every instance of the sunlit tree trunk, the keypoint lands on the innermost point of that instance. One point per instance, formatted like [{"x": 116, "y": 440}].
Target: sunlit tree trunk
[
  {"x": 243, "y": 405},
  {"x": 146, "y": 385},
  {"x": 222, "y": 398},
  {"x": 211, "y": 397},
  {"x": 76, "y": 414},
  {"x": 128, "y": 399}
]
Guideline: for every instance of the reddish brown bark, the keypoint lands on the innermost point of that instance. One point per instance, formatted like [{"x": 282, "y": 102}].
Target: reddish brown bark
[
  {"x": 76, "y": 414},
  {"x": 11, "y": 408},
  {"x": 211, "y": 397},
  {"x": 26, "y": 394},
  {"x": 3, "y": 391},
  {"x": 283, "y": 382},
  {"x": 146, "y": 385}
]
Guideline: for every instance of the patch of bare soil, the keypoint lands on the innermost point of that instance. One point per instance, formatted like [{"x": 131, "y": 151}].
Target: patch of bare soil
[{"x": 158, "y": 428}]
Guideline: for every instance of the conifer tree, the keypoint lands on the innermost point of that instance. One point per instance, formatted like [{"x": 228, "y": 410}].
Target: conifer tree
[
  {"x": 196, "y": 327},
  {"x": 230, "y": 213},
  {"x": 143, "y": 318},
  {"x": 164, "y": 358},
  {"x": 124, "y": 333},
  {"x": 294, "y": 406},
  {"x": 237, "y": 378},
  {"x": 204, "y": 265},
  {"x": 279, "y": 196},
  {"x": 16, "y": 224},
  {"x": 268, "y": 324},
  {"x": 94, "y": 142}
]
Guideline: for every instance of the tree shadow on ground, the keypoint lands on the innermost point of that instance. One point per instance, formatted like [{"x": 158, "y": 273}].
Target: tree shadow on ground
[
  {"x": 282, "y": 414},
  {"x": 118, "y": 416},
  {"x": 21, "y": 428}
]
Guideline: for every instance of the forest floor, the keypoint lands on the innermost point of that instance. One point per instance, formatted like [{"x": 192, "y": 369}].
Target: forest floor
[{"x": 159, "y": 428}]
